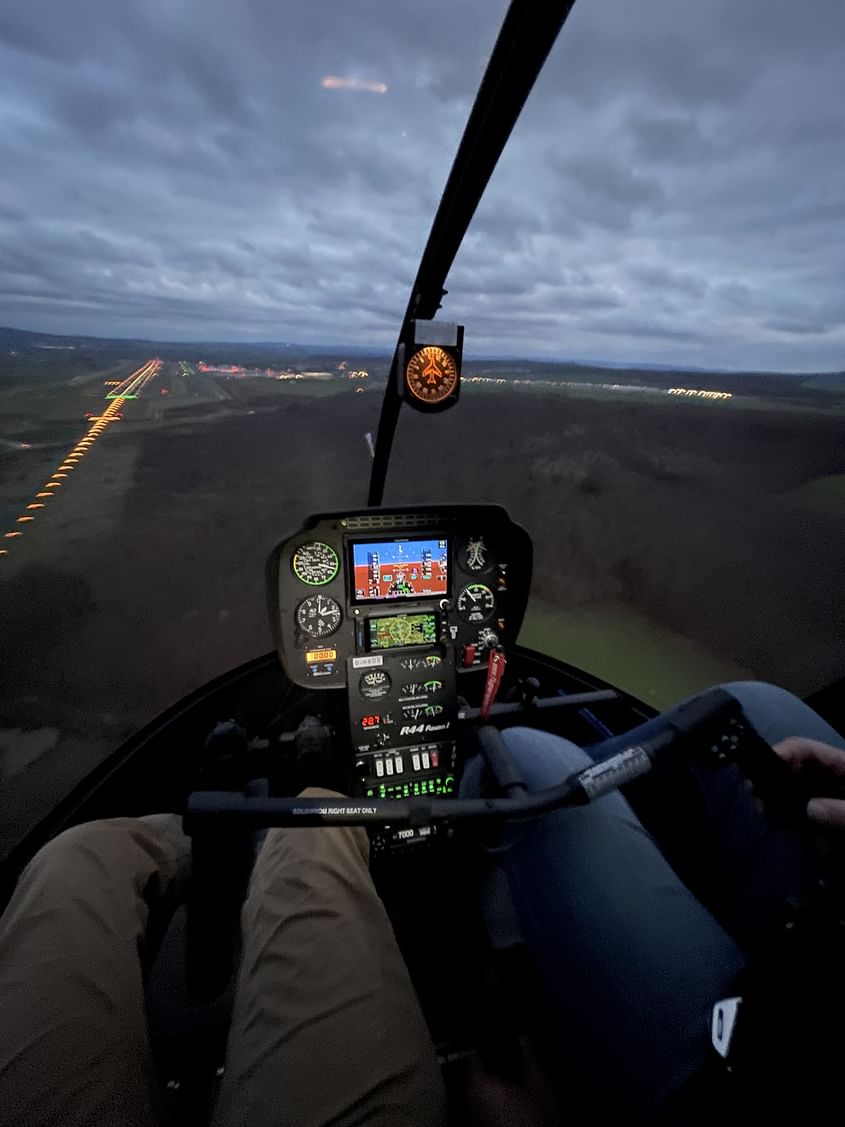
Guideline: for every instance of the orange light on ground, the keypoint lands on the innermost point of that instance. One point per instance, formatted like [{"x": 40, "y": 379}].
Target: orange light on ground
[{"x": 136, "y": 383}]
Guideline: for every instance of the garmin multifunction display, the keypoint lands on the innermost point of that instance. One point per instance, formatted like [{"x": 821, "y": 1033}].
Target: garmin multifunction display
[
  {"x": 397, "y": 630},
  {"x": 400, "y": 569}
]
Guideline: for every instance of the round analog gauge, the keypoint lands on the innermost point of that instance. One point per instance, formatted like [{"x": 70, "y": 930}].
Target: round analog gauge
[
  {"x": 475, "y": 555},
  {"x": 431, "y": 374},
  {"x": 315, "y": 563},
  {"x": 318, "y": 616},
  {"x": 374, "y": 685},
  {"x": 476, "y": 603}
]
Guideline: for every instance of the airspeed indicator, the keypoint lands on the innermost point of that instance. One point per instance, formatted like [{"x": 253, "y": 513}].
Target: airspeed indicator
[{"x": 315, "y": 563}]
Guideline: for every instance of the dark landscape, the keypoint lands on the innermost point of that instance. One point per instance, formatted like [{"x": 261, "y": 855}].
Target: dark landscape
[{"x": 715, "y": 522}]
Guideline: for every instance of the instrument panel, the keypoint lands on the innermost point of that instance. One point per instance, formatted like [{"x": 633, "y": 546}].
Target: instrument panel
[{"x": 393, "y": 607}]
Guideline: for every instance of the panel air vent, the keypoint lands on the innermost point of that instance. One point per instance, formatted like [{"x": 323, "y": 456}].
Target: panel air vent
[{"x": 390, "y": 520}]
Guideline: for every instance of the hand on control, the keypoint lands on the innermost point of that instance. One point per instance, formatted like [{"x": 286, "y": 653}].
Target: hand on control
[{"x": 821, "y": 769}]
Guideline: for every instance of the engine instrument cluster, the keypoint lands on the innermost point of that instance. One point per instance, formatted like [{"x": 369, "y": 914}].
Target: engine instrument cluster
[{"x": 394, "y": 607}]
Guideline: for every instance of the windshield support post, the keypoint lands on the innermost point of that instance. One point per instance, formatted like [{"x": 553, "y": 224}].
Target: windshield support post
[{"x": 527, "y": 34}]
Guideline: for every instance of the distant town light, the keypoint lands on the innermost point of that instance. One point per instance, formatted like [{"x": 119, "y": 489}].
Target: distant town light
[
  {"x": 699, "y": 393},
  {"x": 335, "y": 82}
]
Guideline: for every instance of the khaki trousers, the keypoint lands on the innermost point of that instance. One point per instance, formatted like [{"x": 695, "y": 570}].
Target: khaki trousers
[{"x": 326, "y": 1025}]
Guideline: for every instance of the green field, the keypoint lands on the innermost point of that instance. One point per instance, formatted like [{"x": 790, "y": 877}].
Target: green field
[
  {"x": 253, "y": 388},
  {"x": 619, "y": 645},
  {"x": 824, "y": 494},
  {"x": 752, "y": 397}
]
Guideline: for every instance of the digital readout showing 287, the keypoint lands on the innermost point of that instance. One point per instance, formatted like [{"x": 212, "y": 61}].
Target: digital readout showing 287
[{"x": 400, "y": 569}]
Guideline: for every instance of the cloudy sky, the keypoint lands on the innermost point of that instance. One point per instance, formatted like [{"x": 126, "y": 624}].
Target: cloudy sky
[{"x": 674, "y": 192}]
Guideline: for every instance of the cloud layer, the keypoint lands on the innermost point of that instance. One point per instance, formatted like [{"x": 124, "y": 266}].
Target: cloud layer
[{"x": 675, "y": 190}]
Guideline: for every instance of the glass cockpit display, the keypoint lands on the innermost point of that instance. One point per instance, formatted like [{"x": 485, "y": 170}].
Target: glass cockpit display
[
  {"x": 396, "y": 630},
  {"x": 400, "y": 569}
]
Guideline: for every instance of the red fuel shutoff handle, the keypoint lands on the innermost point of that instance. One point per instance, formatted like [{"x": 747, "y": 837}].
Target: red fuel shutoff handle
[{"x": 495, "y": 668}]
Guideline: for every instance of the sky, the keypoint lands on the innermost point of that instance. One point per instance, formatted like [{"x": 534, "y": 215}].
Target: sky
[{"x": 674, "y": 191}]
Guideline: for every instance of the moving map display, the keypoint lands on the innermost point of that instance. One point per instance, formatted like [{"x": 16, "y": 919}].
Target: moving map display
[
  {"x": 397, "y": 630},
  {"x": 400, "y": 569}
]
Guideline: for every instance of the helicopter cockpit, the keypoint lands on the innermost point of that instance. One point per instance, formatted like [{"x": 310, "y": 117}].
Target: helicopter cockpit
[{"x": 397, "y": 666}]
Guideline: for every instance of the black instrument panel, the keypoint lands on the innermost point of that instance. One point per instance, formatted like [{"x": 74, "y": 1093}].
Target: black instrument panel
[
  {"x": 379, "y": 582},
  {"x": 393, "y": 607}
]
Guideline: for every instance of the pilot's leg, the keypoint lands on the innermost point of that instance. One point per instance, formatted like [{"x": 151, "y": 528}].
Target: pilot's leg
[
  {"x": 757, "y": 865},
  {"x": 778, "y": 714},
  {"x": 774, "y": 712},
  {"x": 73, "y": 1039},
  {"x": 628, "y": 961},
  {"x": 326, "y": 1026}
]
